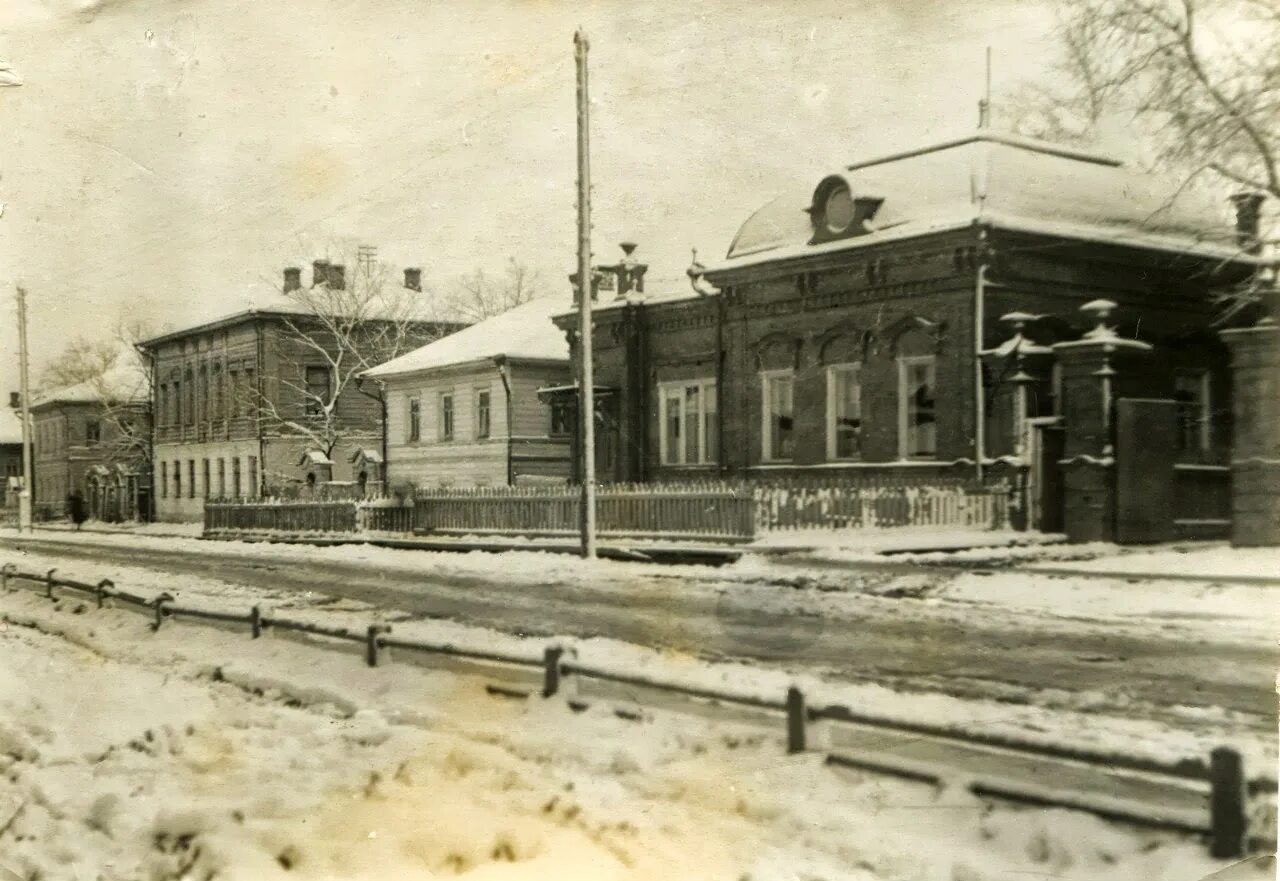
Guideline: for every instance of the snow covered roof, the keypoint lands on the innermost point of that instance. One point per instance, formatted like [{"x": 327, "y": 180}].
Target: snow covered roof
[
  {"x": 123, "y": 384},
  {"x": 10, "y": 426},
  {"x": 523, "y": 332},
  {"x": 1003, "y": 180}
]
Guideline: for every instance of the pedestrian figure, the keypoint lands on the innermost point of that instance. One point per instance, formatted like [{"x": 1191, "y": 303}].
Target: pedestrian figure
[{"x": 77, "y": 509}]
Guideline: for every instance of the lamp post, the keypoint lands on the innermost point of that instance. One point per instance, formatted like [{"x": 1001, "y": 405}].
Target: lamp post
[{"x": 10, "y": 78}]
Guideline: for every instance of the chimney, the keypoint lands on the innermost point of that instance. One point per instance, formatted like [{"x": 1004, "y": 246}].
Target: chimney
[
  {"x": 319, "y": 272},
  {"x": 1248, "y": 220},
  {"x": 413, "y": 278},
  {"x": 629, "y": 272},
  {"x": 15, "y": 400},
  {"x": 337, "y": 276},
  {"x": 292, "y": 278}
]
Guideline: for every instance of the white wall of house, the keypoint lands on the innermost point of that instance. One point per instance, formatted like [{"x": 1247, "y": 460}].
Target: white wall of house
[
  {"x": 180, "y": 500},
  {"x": 466, "y": 458}
]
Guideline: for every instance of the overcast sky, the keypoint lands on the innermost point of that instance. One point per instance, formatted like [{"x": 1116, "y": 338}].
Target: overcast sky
[{"x": 167, "y": 155}]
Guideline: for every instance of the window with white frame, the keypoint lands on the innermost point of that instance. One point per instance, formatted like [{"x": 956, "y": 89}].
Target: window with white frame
[
  {"x": 844, "y": 411},
  {"x": 917, "y": 407},
  {"x": 688, "y": 413},
  {"x": 778, "y": 416},
  {"x": 446, "y": 416},
  {"x": 1193, "y": 409}
]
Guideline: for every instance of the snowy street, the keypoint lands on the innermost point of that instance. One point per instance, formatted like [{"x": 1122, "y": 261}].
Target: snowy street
[
  {"x": 197, "y": 753},
  {"x": 1112, "y": 646}
]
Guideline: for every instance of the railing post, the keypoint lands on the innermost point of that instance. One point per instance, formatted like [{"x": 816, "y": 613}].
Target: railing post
[
  {"x": 100, "y": 592},
  {"x": 255, "y": 621},
  {"x": 551, "y": 670},
  {"x": 1228, "y": 804},
  {"x": 158, "y": 604},
  {"x": 371, "y": 644},
  {"x": 5, "y": 571},
  {"x": 48, "y": 584},
  {"x": 797, "y": 718}
]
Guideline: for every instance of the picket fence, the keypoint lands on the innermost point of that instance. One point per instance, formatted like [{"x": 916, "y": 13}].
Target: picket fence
[{"x": 708, "y": 511}]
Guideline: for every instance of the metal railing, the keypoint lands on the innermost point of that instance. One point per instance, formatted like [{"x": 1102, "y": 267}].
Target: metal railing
[{"x": 1228, "y": 790}]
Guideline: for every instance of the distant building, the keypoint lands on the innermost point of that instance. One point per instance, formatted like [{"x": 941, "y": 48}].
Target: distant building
[
  {"x": 465, "y": 410},
  {"x": 92, "y": 438},
  {"x": 231, "y": 398},
  {"x": 10, "y": 450}
]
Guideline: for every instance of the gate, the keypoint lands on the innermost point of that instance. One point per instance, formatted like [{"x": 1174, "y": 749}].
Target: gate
[
  {"x": 1145, "y": 434},
  {"x": 1046, "y": 488}
]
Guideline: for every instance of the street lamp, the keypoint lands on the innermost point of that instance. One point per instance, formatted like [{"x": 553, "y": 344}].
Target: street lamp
[{"x": 9, "y": 77}]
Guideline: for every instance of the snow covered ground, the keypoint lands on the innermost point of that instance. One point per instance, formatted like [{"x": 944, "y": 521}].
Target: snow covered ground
[{"x": 125, "y": 757}]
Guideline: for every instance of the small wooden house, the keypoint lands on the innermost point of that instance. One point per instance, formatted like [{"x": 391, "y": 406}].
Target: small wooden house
[{"x": 465, "y": 410}]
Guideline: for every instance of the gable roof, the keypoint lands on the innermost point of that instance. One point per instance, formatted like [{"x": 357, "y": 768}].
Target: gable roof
[
  {"x": 523, "y": 332},
  {"x": 123, "y": 384},
  {"x": 1005, "y": 181}
]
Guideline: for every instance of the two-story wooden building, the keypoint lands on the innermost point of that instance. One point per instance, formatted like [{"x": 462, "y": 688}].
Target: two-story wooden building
[
  {"x": 854, "y": 326},
  {"x": 10, "y": 452},
  {"x": 234, "y": 398},
  {"x": 92, "y": 438},
  {"x": 465, "y": 410}
]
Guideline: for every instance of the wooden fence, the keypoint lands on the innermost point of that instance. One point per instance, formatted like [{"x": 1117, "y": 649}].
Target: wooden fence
[
  {"x": 720, "y": 512},
  {"x": 280, "y": 516},
  {"x": 708, "y": 511}
]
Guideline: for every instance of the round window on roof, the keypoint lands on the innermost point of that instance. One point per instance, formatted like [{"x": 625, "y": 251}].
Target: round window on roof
[{"x": 837, "y": 213}]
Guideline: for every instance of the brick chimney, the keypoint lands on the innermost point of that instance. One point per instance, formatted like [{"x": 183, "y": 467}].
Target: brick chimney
[
  {"x": 337, "y": 276},
  {"x": 319, "y": 272},
  {"x": 1248, "y": 220},
  {"x": 292, "y": 278},
  {"x": 15, "y": 400},
  {"x": 413, "y": 278}
]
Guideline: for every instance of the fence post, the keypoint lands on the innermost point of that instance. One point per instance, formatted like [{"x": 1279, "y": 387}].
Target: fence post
[
  {"x": 255, "y": 621},
  {"x": 371, "y": 645},
  {"x": 48, "y": 584},
  {"x": 5, "y": 570},
  {"x": 158, "y": 603},
  {"x": 551, "y": 670},
  {"x": 796, "y": 719},
  {"x": 101, "y": 590},
  {"x": 1228, "y": 804}
]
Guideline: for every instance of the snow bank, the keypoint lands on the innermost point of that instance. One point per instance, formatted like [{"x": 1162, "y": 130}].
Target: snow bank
[
  {"x": 1220, "y": 561},
  {"x": 402, "y": 773}
]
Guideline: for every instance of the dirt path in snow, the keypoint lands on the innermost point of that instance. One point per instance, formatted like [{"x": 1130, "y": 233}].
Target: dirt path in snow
[{"x": 962, "y": 650}]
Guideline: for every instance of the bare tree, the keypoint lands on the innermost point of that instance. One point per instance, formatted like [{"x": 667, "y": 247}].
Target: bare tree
[
  {"x": 479, "y": 295},
  {"x": 112, "y": 373},
  {"x": 351, "y": 318},
  {"x": 1200, "y": 79}
]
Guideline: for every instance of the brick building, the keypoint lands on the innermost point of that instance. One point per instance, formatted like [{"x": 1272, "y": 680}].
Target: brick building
[
  {"x": 855, "y": 326},
  {"x": 91, "y": 438},
  {"x": 465, "y": 410},
  {"x": 233, "y": 398}
]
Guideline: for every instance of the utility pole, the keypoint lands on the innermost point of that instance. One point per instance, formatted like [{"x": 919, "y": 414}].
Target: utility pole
[
  {"x": 586, "y": 377},
  {"x": 984, "y": 105},
  {"x": 24, "y": 497}
]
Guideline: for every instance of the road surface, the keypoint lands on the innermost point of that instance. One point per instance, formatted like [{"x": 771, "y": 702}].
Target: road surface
[{"x": 906, "y": 643}]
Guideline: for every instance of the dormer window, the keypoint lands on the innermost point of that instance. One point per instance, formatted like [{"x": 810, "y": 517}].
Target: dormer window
[{"x": 838, "y": 211}]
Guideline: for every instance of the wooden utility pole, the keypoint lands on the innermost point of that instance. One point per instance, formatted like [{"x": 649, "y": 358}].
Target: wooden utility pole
[
  {"x": 586, "y": 378},
  {"x": 25, "y": 499}
]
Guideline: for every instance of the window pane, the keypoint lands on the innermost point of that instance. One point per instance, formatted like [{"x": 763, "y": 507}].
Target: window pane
[
  {"x": 711, "y": 446},
  {"x": 781, "y": 418},
  {"x": 921, "y": 426},
  {"x": 672, "y": 423},
  {"x": 847, "y": 417},
  {"x": 692, "y": 408}
]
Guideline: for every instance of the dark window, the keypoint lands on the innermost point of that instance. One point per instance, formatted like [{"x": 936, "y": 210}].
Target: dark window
[
  {"x": 562, "y": 410},
  {"x": 164, "y": 480},
  {"x": 235, "y": 477},
  {"x": 191, "y": 478},
  {"x": 253, "y": 475},
  {"x": 236, "y": 393},
  {"x": 482, "y": 414},
  {"x": 205, "y": 475},
  {"x": 92, "y": 432},
  {"x": 446, "y": 417},
  {"x": 222, "y": 478},
  {"x": 917, "y": 408},
  {"x": 318, "y": 390},
  {"x": 413, "y": 431}
]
